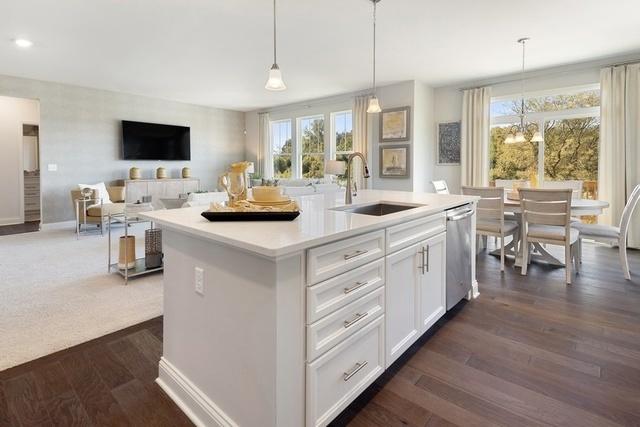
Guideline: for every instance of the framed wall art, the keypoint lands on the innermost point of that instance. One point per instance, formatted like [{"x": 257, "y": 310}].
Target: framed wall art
[
  {"x": 394, "y": 161},
  {"x": 395, "y": 125},
  {"x": 449, "y": 143}
]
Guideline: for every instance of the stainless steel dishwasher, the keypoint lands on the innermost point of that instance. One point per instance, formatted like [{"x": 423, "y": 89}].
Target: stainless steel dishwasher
[{"x": 459, "y": 253}]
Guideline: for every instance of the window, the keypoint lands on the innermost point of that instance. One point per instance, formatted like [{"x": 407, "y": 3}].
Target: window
[
  {"x": 343, "y": 134},
  {"x": 281, "y": 148},
  {"x": 302, "y": 151},
  {"x": 570, "y": 124},
  {"x": 311, "y": 131}
]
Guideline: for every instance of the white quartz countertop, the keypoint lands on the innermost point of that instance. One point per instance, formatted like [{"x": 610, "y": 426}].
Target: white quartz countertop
[{"x": 316, "y": 225}]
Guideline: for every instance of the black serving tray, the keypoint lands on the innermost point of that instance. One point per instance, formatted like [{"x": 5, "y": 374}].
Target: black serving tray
[{"x": 250, "y": 216}]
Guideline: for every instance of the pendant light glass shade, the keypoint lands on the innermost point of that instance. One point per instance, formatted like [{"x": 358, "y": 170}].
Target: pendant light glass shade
[
  {"x": 510, "y": 139},
  {"x": 537, "y": 137},
  {"x": 275, "y": 81},
  {"x": 519, "y": 137},
  {"x": 374, "y": 105}
]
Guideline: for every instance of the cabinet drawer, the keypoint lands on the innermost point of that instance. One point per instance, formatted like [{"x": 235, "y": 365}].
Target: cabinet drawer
[
  {"x": 404, "y": 235},
  {"x": 336, "y": 378},
  {"x": 330, "y": 260},
  {"x": 330, "y": 295},
  {"x": 334, "y": 328}
]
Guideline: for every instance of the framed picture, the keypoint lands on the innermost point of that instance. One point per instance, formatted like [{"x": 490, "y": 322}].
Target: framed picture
[
  {"x": 448, "y": 143},
  {"x": 394, "y": 124},
  {"x": 394, "y": 161}
]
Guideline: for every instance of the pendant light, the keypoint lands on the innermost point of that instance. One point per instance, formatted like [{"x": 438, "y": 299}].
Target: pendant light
[
  {"x": 275, "y": 82},
  {"x": 520, "y": 129},
  {"x": 374, "y": 104}
]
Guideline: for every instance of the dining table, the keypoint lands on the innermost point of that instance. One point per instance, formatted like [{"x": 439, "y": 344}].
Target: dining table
[{"x": 579, "y": 207}]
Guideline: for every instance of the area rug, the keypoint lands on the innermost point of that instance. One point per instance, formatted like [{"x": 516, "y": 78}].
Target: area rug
[{"x": 55, "y": 292}]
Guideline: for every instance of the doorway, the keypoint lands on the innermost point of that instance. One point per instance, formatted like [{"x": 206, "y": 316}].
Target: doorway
[{"x": 20, "y": 195}]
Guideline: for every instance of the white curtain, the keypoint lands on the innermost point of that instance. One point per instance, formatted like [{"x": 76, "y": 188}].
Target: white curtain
[
  {"x": 265, "y": 165},
  {"x": 474, "y": 150},
  {"x": 619, "y": 156},
  {"x": 360, "y": 137}
]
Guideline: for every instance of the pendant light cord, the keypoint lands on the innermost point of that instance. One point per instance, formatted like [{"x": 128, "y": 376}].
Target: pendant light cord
[
  {"x": 274, "y": 33},
  {"x": 375, "y": 3}
]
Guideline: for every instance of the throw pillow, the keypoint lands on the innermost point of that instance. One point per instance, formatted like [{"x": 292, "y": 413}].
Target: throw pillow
[{"x": 100, "y": 188}]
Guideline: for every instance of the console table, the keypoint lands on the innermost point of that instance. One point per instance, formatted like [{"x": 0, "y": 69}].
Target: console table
[{"x": 167, "y": 188}]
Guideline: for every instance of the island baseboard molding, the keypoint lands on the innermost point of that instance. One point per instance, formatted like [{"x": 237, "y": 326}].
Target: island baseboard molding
[{"x": 190, "y": 399}]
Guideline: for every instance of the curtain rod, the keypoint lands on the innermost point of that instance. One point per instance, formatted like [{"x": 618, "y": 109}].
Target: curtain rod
[{"x": 533, "y": 74}]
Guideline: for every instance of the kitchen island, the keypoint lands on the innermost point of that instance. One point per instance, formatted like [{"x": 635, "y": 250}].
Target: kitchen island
[{"x": 286, "y": 323}]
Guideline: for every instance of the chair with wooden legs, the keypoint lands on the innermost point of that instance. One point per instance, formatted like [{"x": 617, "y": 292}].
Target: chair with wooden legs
[
  {"x": 440, "y": 187},
  {"x": 546, "y": 218},
  {"x": 490, "y": 216},
  {"x": 610, "y": 234}
]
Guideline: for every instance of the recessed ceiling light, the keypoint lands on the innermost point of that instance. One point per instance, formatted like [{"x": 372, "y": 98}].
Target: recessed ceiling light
[{"x": 23, "y": 42}]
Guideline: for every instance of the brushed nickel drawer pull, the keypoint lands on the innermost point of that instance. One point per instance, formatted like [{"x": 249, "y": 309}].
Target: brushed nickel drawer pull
[
  {"x": 359, "y": 316},
  {"x": 355, "y": 287},
  {"x": 355, "y": 370},
  {"x": 426, "y": 262},
  {"x": 355, "y": 254}
]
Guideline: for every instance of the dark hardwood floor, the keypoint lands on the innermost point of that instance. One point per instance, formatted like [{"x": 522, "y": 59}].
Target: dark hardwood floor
[
  {"x": 26, "y": 227},
  {"x": 530, "y": 351}
]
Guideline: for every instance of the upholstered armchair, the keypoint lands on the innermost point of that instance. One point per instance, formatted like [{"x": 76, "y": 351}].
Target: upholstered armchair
[{"x": 94, "y": 211}]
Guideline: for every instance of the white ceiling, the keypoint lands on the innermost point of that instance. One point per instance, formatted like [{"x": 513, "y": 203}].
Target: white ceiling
[{"x": 217, "y": 52}]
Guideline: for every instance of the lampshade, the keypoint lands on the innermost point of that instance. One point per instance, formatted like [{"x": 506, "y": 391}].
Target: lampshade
[
  {"x": 250, "y": 167},
  {"x": 510, "y": 139},
  {"x": 537, "y": 137},
  {"x": 335, "y": 167},
  {"x": 374, "y": 105},
  {"x": 275, "y": 81},
  {"x": 519, "y": 137}
]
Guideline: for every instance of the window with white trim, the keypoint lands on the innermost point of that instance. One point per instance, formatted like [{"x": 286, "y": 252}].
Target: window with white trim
[
  {"x": 302, "y": 152},
  {"x": 342, "y": 134},
  {"x": 569, "y": 120},
  {"x": 281, "y": 149}
]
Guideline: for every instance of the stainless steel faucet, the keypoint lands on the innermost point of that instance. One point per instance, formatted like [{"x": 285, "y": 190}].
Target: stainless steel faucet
[{"x": 348, "y": 195}]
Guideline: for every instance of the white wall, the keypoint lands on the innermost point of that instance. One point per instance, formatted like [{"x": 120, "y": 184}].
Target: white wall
[
  {"x": 80, "y": 131},
  {"x": 14, "y": 112}
]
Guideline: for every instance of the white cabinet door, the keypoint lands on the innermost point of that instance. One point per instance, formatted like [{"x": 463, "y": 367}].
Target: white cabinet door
[
  {"x": 433, "y": 299},
  {"x": 402, "y": 300}
]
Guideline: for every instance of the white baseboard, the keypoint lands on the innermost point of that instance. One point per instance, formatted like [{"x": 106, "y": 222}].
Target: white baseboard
[
  {"x": 190, "y": 399},
  {"x": 59, "y": 225},
  {"x": 11, "y": 221}
]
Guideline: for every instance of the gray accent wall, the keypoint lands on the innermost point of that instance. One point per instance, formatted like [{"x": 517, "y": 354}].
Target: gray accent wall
[{"x": 80, "y": 132}]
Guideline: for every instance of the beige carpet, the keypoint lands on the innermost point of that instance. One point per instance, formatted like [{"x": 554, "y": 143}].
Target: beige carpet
[{"x": 55, "y": 293}]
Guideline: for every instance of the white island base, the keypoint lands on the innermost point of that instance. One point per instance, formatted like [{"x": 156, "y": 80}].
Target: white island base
[{"x": 285, "y": 324}]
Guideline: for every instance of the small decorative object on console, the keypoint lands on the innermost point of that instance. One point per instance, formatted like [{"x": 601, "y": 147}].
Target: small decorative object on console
[
  {"x": 161, "y": 173},
  {"x": 186, "y": 172},
  {"x": 135, "y": 173}
]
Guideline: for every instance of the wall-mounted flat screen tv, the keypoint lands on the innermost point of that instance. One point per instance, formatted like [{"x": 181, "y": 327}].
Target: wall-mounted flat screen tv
[{"x": 151, "y": 141}]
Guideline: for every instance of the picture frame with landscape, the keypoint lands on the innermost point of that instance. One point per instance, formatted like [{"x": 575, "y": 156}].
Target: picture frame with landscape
[
  {"x": 395, "y": 124},
  {"x": 394, "y": 161}
]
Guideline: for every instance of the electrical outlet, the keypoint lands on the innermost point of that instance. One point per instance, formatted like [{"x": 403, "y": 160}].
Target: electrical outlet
[
  {"x": 52, "y": 167},
  {"x": 199, "y": 281}
]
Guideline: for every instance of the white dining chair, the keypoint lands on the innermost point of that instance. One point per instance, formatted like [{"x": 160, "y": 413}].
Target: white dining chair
[
  {"x": 610, "y": 234},
  {"x": 440, "y": 187},
  {"x": 546, "y": 218},
  {"x": 490, "y": 216},
  {"x": 574, "y": 185}
]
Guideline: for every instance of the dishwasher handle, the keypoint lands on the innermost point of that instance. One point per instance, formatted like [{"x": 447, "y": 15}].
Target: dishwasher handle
[{"x": 460, "y": 215}]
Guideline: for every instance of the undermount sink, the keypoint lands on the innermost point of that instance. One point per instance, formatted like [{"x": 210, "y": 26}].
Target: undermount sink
[{"x": 376, "y": 209}]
